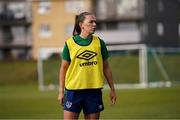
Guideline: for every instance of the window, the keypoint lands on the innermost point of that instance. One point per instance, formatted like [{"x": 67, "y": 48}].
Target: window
[
  {"x": 45, "y": 31},
  {"x": 74, "y": 6},
  {"x": 160, "y": 29},
  {"x": 145, "y": 29},
  {"x": 7, "y": 34},
  {"x": 19, "y": 33},
  {"x": 160, "y": 6},
  {"x": 107, "y": 26},
  {"x": 44, "y": 7},
  {"x": 1, "y": 35},
  {"x": 179, "y": 30},
  {"x": 18, "y": 9},
  {"x": 121, "y": 8},
  {"x": 69, "y": 29},
  {"x": 127, "y": 7},
  {"x": 127, "y": 26},
  {"x": 101, "y": 9},
  {"x": 1, "y": 7}
]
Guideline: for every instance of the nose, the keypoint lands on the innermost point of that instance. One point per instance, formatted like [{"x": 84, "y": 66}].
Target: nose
[{"x": 94, "y": 23}]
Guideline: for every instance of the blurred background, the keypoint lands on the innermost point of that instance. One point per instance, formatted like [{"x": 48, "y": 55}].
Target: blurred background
[
  {"x": 27, "y": 25},
  {"x": 142, "y": 36}
]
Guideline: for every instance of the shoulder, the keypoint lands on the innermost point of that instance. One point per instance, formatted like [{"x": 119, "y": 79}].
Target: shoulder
[
  {"x": 97, "y": 37},
  {"x": 102, "y": 43},
  {"x": 70, "y": 39}
]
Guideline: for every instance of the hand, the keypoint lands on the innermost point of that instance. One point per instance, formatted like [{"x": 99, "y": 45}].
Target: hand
[
  {"x": 61, "y": 98},
  {"x": 112, "y": 96}
]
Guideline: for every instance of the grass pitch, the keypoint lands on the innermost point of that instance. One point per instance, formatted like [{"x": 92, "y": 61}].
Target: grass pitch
[
  {"x": 27, "y": 102},
  {"x": 21, "y": 99}
]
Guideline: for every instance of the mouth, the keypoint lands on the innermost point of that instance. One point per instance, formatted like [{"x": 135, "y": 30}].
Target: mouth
[{"x": 94, "y": 28}]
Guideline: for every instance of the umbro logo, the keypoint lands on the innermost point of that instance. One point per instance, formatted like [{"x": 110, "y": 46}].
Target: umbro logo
[{"x": 87, "y": 55}]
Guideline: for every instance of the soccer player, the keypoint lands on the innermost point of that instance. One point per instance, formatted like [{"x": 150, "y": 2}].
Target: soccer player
[{"x": 84, "y": 64}]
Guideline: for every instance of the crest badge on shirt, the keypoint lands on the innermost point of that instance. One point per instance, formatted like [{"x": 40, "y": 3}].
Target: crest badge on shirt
[
  {"x": 100, "y": 106},
  {"x": 68, "y": 104}
]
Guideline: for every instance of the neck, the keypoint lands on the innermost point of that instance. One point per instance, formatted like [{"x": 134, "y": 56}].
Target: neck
[{"x": 83, "y": 35}]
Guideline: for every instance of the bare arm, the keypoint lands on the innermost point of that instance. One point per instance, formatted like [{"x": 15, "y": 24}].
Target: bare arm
[
  {"x": 108, "y": 74},
  {"x": 62, "y": 74}
]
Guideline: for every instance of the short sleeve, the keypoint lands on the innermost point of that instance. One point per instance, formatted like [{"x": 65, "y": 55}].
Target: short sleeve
[
  {"x": 65, "y": 54},
  {"x": 104, "y": 51}
]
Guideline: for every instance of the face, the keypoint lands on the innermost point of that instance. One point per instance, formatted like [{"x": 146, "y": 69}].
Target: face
[{"x": 88, "y": 26}]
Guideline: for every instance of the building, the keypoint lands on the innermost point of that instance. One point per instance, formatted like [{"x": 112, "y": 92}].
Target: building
[
  {"x": 119, "y": 21},
  {"x": 15, "y": 29},
  {"x": 162, "y": 23},
  {"x": 154, "y": 23},
  {"x": 53, "y": 22}
]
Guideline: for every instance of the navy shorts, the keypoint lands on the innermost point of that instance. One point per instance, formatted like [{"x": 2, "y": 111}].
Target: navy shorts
[{"x": 90, "y": 101}]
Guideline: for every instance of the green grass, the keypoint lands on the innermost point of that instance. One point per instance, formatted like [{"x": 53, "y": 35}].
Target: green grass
[
  {"x": 51, "y": 70},
  {"x": 21, "y": 99},
  {"x": 123, "y": 66},
  {"x": 18, "y": 72},
  {"x": 27, "y": 102},
  {"x": 120, "y": 71},
  {"x": 171, "y": 65}
]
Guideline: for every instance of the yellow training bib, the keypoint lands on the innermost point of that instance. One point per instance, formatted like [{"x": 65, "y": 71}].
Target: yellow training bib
[{"x": 86, "y": 67}]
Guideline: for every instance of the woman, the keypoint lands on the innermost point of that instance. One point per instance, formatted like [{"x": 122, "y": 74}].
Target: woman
[{"x": 82, "y": 69}]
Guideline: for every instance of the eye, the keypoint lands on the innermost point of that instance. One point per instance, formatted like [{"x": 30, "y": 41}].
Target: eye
[{"x": 93, "y": 21}]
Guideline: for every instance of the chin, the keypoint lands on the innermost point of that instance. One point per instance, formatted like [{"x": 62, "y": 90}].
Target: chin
[{"x": 93, "y": 32}]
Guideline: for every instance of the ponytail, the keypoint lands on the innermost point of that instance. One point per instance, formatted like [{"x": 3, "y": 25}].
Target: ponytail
[{"x": 77, "y": 29}]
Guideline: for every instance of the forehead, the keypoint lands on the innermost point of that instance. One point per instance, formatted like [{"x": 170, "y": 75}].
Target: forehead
[{"x": 90, "y": 17}]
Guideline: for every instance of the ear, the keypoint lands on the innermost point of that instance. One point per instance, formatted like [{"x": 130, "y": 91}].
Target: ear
[{"x": 80, "y": 25}]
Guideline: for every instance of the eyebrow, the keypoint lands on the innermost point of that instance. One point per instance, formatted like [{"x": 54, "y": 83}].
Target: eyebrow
[{"x": 92, "y": 21}]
